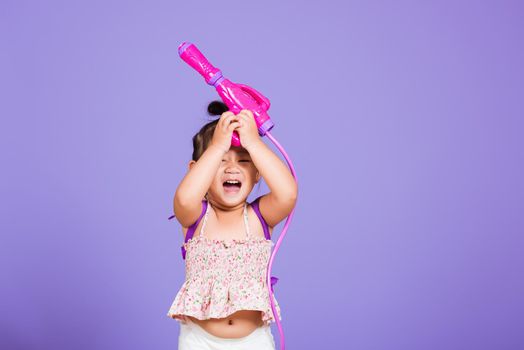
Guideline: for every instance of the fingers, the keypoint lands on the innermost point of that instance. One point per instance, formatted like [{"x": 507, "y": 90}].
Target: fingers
[
  {"x": 247, "y": 113},
  {"x": 229, "y": 121},
  {"x": 242, "y": 113},
  {"x": 233, "y": 126},
  {"x": 226, "y": 114},
  {"x": 247, "y": 116},
  {"x": 225, "y": 120}
]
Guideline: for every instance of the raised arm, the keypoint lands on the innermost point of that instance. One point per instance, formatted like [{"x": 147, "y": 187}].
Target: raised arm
[
  {"x": 187, "y": 203},
  {"x": 278, "y": 203}
]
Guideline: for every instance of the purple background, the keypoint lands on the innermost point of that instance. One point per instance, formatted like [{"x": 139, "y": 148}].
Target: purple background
[{"x": 403, "y": 120}]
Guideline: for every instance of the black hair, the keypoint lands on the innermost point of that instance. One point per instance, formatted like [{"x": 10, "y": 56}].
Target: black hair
[{"x": 204, "y": 136}]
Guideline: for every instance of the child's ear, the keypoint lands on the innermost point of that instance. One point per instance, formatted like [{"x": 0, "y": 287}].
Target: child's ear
[
  {"x": 190, "y": 165},
  {"x": 257, "y": 176}
]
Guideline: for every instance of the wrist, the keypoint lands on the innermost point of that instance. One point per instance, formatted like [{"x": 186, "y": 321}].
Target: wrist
[
  {"x": 213, "y": 148},
  {"x": 257, "y": 143}
]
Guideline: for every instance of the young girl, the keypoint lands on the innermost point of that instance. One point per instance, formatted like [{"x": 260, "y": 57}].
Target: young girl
[{"x": 224, "y": 302}]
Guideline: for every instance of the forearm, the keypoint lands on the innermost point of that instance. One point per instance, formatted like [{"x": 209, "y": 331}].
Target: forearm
[
  {"x": 198, "y": 179},
  {"x": 276, "y": 174}
]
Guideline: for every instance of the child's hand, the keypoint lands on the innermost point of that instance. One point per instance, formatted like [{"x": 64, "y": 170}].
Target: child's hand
[
  {"x": 224, "y": 130},
  {"x": 247, "y": 130}
]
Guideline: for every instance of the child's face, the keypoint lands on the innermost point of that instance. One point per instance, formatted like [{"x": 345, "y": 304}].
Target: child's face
[{"x": 236, "y": 165}]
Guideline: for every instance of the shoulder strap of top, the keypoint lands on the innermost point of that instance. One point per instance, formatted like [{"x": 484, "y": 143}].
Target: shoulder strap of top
[
  {"x": 255, "y": 207},
  {"x": 191, "y": 230}
]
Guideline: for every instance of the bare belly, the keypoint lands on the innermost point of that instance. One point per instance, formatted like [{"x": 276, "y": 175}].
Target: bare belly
[{"x": 237, "y": 325}]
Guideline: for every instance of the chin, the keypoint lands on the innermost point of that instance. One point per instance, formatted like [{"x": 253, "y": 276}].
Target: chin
[{"x": 233, "y": 198}]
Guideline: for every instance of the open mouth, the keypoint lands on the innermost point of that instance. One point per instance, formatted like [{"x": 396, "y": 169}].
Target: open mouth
[{"x": 232, "y": 186}]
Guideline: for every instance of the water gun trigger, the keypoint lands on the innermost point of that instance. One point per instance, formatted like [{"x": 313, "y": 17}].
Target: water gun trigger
[{"x": 262, "y": 100}]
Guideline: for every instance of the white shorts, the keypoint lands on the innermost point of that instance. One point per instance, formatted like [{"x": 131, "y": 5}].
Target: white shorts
[{"x": 194, "y": 337}]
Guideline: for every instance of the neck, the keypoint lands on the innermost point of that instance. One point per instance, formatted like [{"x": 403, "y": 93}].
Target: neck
[{"x": 227, "y": 214}]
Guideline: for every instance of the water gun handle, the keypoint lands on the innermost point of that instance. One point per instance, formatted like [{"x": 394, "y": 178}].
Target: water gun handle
[
  {"x": 262, "y": 100},
  {"x": 240, "y": 96}
]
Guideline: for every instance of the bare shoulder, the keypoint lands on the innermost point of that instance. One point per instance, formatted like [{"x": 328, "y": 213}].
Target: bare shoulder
[
  {"x": 188, "y": 213},
  {"x": 257, "y": 226},
  {"x": 274, "y": 211}
]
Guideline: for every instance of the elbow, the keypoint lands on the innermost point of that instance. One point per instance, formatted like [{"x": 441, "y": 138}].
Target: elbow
[
  {"x": 180, "y": 200},
  {"x": 290, "y": 195},
  {"x": 293, "y": 191}
]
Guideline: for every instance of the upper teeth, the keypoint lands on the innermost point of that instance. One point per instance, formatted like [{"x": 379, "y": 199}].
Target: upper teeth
[{"x": 232, "y": 181}]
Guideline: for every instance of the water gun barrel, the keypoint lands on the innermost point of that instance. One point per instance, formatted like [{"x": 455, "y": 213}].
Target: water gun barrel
[{"x": 192, "y": 56}]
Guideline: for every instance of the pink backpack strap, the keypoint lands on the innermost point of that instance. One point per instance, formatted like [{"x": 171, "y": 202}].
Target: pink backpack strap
[
  {"x": 255, "y": 207},
  {"x": 254, "y": 204}
]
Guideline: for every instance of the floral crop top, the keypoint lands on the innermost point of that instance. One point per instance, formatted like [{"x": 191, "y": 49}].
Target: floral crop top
[{"x": 222, "y": 276}]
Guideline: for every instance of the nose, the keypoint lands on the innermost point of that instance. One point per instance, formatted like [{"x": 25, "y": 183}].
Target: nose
[{"x": 232, "y": 169}]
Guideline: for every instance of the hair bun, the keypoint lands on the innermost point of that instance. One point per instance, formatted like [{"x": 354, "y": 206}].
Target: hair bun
[{"x": 217, "y": 108}]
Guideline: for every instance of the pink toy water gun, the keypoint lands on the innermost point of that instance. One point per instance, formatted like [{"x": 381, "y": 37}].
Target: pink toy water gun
[{"x": 236, "y": 96}]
